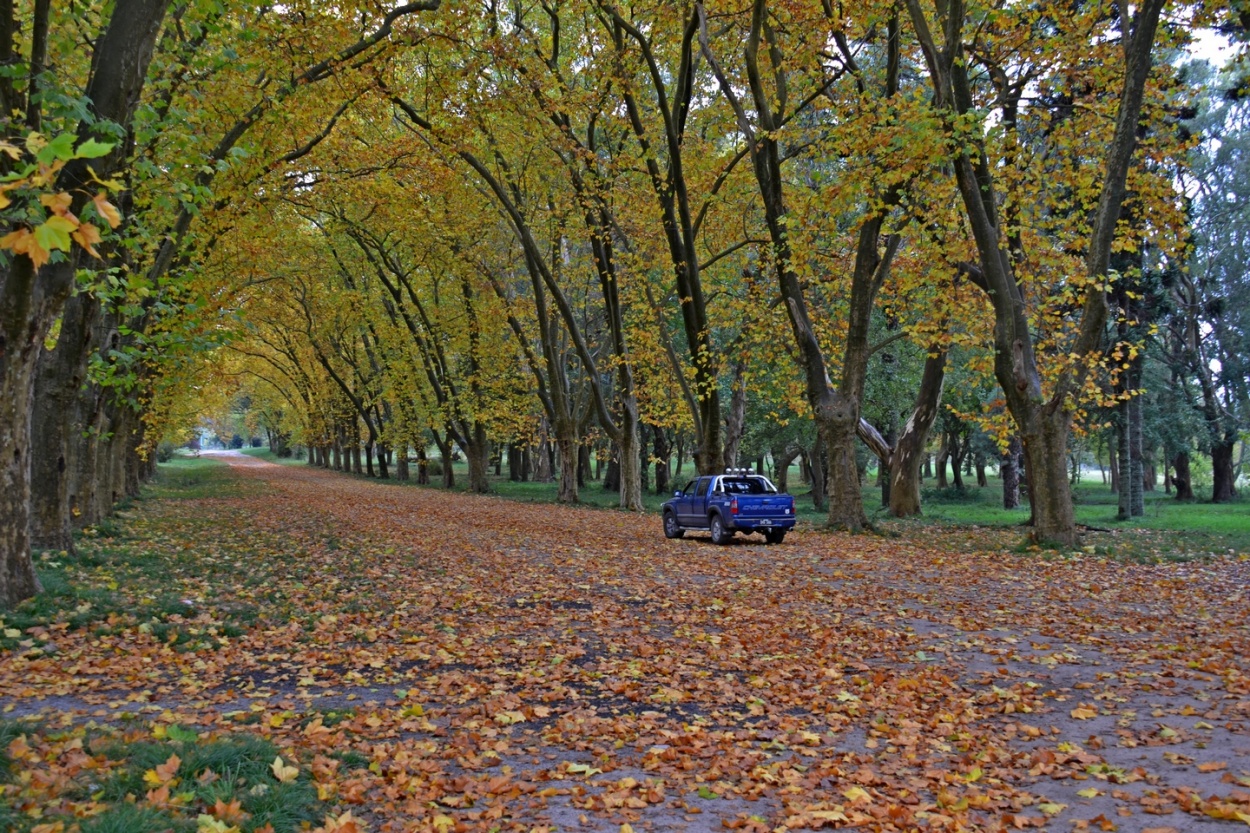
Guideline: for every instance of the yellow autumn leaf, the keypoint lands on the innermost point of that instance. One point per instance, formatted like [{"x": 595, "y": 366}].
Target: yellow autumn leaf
[
  {"x": 207, "y": 824},
  {"x": 828, "y": 815},
  {"x": 284, "y": 773},
  {"x": 1084, "y": 712},
  {"x": 107, "y": 210},
  {"x": 1089, "y": 792},
  {"x": 857, "y": 794}
]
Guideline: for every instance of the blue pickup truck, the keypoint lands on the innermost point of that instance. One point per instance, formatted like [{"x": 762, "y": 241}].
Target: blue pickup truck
[{"x": 737, "y": 501}]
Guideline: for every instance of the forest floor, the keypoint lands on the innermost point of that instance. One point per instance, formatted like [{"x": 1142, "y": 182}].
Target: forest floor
[{"x": 420, "y": 660}]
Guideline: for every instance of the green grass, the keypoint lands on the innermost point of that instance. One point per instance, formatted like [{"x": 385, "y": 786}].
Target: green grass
[
  {"x": 194, "y": 478},
  {"x": 114, "y": 581},
  {"x": 263, "y": 453},
  {"x": 210, "y": 769}
]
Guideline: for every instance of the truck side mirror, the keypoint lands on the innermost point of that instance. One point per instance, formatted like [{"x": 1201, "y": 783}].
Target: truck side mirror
[{"x": 677, "y": 493}]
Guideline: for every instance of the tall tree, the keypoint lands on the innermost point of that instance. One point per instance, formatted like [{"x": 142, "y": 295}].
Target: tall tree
[
  {"x": 1043, "y": 414},
  {"x": 34, "y": 284}
]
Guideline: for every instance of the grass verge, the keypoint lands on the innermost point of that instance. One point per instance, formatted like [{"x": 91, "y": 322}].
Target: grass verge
[{"x": 102, "y": 780}]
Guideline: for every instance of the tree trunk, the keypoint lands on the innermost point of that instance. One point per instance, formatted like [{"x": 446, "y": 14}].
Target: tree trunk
[
  {"x": 1050, "y": 497},
  {"x": 631, "y": 458},
  {"x": 662, "y": 450},
  {"x": 1223, "y": 484},
  {"x": 644, "y": 434},
  {"x": 567, "y": 445},
  {"x": 401, "y": 464},
  {"x": 815, "y": 460},
  {"x": 909, "y": 448},
  {"x": 514, "y": 462},
  {"x": 544, "y": 473},
  {"x": 54, "y": 466},
  {"x": 1113, "y": 463},
  {"x": 612, "y": 477},
  {"x": 18, "y": 358},
  {"x": 383, "y": 454},
  {"x": 942, "y": 456},
  {"x": 1182, "y": 480},
  {"x": 583, "y": 465},
  {"x": 1129, "y": 458},
  {"x": 1137, "y": 504},
  {"x": 957, "y": 450},
  {"x": 1009, "y": 470},
  {"x": 443, "y": 442},
  {"x": 423, "y": 467},
  {"x": 478, "y": 452},
  {"x": 978, "y": 462},
  {"x": 783, "y": 460},
  {"x": 735, "y": 420}
]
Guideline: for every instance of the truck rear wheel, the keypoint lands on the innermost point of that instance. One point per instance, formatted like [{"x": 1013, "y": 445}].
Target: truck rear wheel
[
  {"x": 720, "y": 535},
  {"x": 775, "y": 536},
  {"x": 671, "y": 527}
]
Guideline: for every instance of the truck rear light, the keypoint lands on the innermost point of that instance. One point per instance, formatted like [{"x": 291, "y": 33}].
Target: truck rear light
[{"x": 733, "y": 506}]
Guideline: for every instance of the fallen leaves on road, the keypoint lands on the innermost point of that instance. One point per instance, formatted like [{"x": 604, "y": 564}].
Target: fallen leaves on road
[{"x": 435, "y": 662}]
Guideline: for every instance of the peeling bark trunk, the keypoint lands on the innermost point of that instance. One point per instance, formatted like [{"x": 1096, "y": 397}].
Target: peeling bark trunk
[
  {"x": 909, "y": 449},
  {"x": 567, "y": 445},
  {"x": 1054, "y": 521},
  {"x": 631, "y": 465},
  {"x": 54, "y": 466},
  {"x": 846, "y": 501},
  {"x": 735, "y": 421}
]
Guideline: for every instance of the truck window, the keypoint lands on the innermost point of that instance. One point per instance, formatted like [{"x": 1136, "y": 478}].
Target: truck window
[
  {"x": 701, "y": 486},
  {"x": 688, "y": 489}
]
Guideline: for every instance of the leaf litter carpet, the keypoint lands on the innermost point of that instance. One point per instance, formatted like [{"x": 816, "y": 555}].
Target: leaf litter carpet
[{"x": 490, "y": 665}]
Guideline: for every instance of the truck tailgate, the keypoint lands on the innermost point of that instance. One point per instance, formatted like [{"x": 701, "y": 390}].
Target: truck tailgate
[{"x": 764, "y": 506}]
